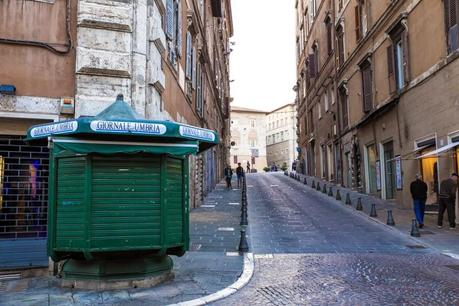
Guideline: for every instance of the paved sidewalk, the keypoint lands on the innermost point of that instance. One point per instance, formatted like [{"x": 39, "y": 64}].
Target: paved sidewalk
[
  {"x": 444, "y": 240},
  {"x": 211, "y": 265}
]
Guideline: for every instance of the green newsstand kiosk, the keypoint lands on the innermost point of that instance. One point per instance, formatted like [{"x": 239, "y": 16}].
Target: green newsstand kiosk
[{"x": 118, "y": 193}]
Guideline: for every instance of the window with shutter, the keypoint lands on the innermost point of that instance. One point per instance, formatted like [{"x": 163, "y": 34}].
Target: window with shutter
[
  {"x": 367, "y": 89},
  {"x": 198, "y": 89},
  {"x": 170, "y": 19},
  {"x": 390, "y": 68},
  {"x": 344, "y": 108},
  {"x": 188, "y": 63},
  {"x": 358, "y": 23},
  {"x": 340, "y": 37},
  {"x": 179, "y": 28},
  {"x": 451, "y": 21},
  {"x": 328, "y": 25},
  {"x": 311, "y": 66},
  {"x": 193, "y": 68}
]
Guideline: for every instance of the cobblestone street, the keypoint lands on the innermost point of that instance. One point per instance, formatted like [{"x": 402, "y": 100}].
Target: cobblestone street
[{"x": 312, "y": 250}]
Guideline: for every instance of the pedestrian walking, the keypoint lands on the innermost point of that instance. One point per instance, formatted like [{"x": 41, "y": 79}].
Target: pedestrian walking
[
  {"x": 418, "y": 190},
  {"x": 447, "y": 200},
  {"x": 248, "y": 167},
  {"x": 228, "y": 176},
  {"x": 239, "y": 174}
]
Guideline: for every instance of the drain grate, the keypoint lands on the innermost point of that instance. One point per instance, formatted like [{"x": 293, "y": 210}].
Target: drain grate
[
  {"x": 416, "y": 246},
  {"x": 427, "y": 233},
  {"x": 453, "y": 267},
  {"x": 195, "y": 247},
  {"x": 2, "y": 287}
]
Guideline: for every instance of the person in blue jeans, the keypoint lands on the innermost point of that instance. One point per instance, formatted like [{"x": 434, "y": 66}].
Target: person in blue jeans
[{"x": 418, "y": 190}]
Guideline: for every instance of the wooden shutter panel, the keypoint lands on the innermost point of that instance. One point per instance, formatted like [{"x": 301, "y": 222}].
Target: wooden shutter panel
[
  {"x": 179, "y": 29},
  {"x": 170, "y": 19},
  {"x": 390, "y": 68},
  {"x": 188, "y": 69},
  {"x": 198, "y": 89},
  {"x": 406, "y": 58},
  {"x": 329, "y": 36},
  {"x": 357, "y": 23},
  {"x": 367, "y": 89},
  {"x": 193, "y": 68},
  {"x": 451, "y": 24},
  {"x": 312, "y": 66}
]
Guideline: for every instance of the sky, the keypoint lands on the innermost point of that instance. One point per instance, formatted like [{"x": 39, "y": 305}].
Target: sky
[{"x": 263, "y": 60}]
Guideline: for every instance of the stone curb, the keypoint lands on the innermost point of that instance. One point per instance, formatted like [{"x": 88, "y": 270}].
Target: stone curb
[{"x": 243, "y": 280}]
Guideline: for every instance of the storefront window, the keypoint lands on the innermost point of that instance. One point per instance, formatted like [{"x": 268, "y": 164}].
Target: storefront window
[
  {"x": 24, "y": 188},
  {"x": 429, "y": 173}
]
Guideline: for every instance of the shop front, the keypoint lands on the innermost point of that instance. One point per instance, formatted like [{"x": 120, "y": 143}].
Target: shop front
[{"x": 23, "y": 196}]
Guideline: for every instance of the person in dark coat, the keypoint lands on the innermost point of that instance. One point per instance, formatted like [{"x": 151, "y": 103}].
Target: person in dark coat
[
  {"x": 418, "y": 190},
  {"x": 228, "y": 176},
  {"x": 447, "y": 200},
  {"x": 240, "y": 175}
]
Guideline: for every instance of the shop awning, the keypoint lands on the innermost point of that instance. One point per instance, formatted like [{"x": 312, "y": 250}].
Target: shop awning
[
  {"x": 410, "y": 155},
  {"x": 440, "y": 150},
  {"x": 120, "y": 122}
]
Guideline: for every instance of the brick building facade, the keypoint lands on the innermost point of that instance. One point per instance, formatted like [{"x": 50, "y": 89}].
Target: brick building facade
[
  {"x": 169, "y": 58},
  {"x": 393, "y": 100}
]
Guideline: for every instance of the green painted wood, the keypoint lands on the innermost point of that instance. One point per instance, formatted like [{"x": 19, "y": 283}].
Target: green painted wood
[
  {"x": 125, "y": 195},
  {"x": 70, "y": 203},
  {"x": 175, "y": 201}
]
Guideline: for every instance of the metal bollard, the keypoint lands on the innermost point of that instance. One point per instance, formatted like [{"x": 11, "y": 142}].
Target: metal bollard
[
  {"x": 330, "y": 192},
  {"x": 338, "y": 195},
  {"x": 359, "y": 204},
  {"x": 390, "y": 218},
  {"x": 348, "y": 199},
  {"x": 324, "y": 189},
  {"x": 243, "y": 245},
  {"x": 373, "y": 213}
]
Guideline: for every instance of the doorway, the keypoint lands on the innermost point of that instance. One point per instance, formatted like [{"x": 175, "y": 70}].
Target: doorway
[
  {"x": 388, "y": 148},
  {"x": 429, "y": 172}
]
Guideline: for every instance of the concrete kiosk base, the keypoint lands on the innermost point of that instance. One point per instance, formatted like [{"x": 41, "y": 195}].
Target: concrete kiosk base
[{"x": 116, "y": 274}]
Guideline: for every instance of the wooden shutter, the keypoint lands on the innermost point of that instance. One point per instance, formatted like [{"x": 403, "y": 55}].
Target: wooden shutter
[
  {"x": 198, "y": 89},
  {"x": 391, "y": 68},
  {"x": 406, "y": 58},
  {"x": 188, "y": 63},
  {"x": 451, "y": 21},
  {"x": 357, "y": 23},
  {"x": 170, "y": 19},
  {"x": 179, "y": 29},
  {"x": 340, "y": 46},
  {"x": 312, "y": 65},
  {"x": 193, "y": 68},
  {"x": 329, "y": 36},
  {"x": 367, "y": 89}
]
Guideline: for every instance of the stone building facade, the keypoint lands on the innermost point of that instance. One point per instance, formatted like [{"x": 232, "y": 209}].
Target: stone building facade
[
  {"x": 248, "y": 138},
  {"x": 281, "y": 136},
  {"x": 394, "y": 87},
  {"x": 169, "y": 58}
]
